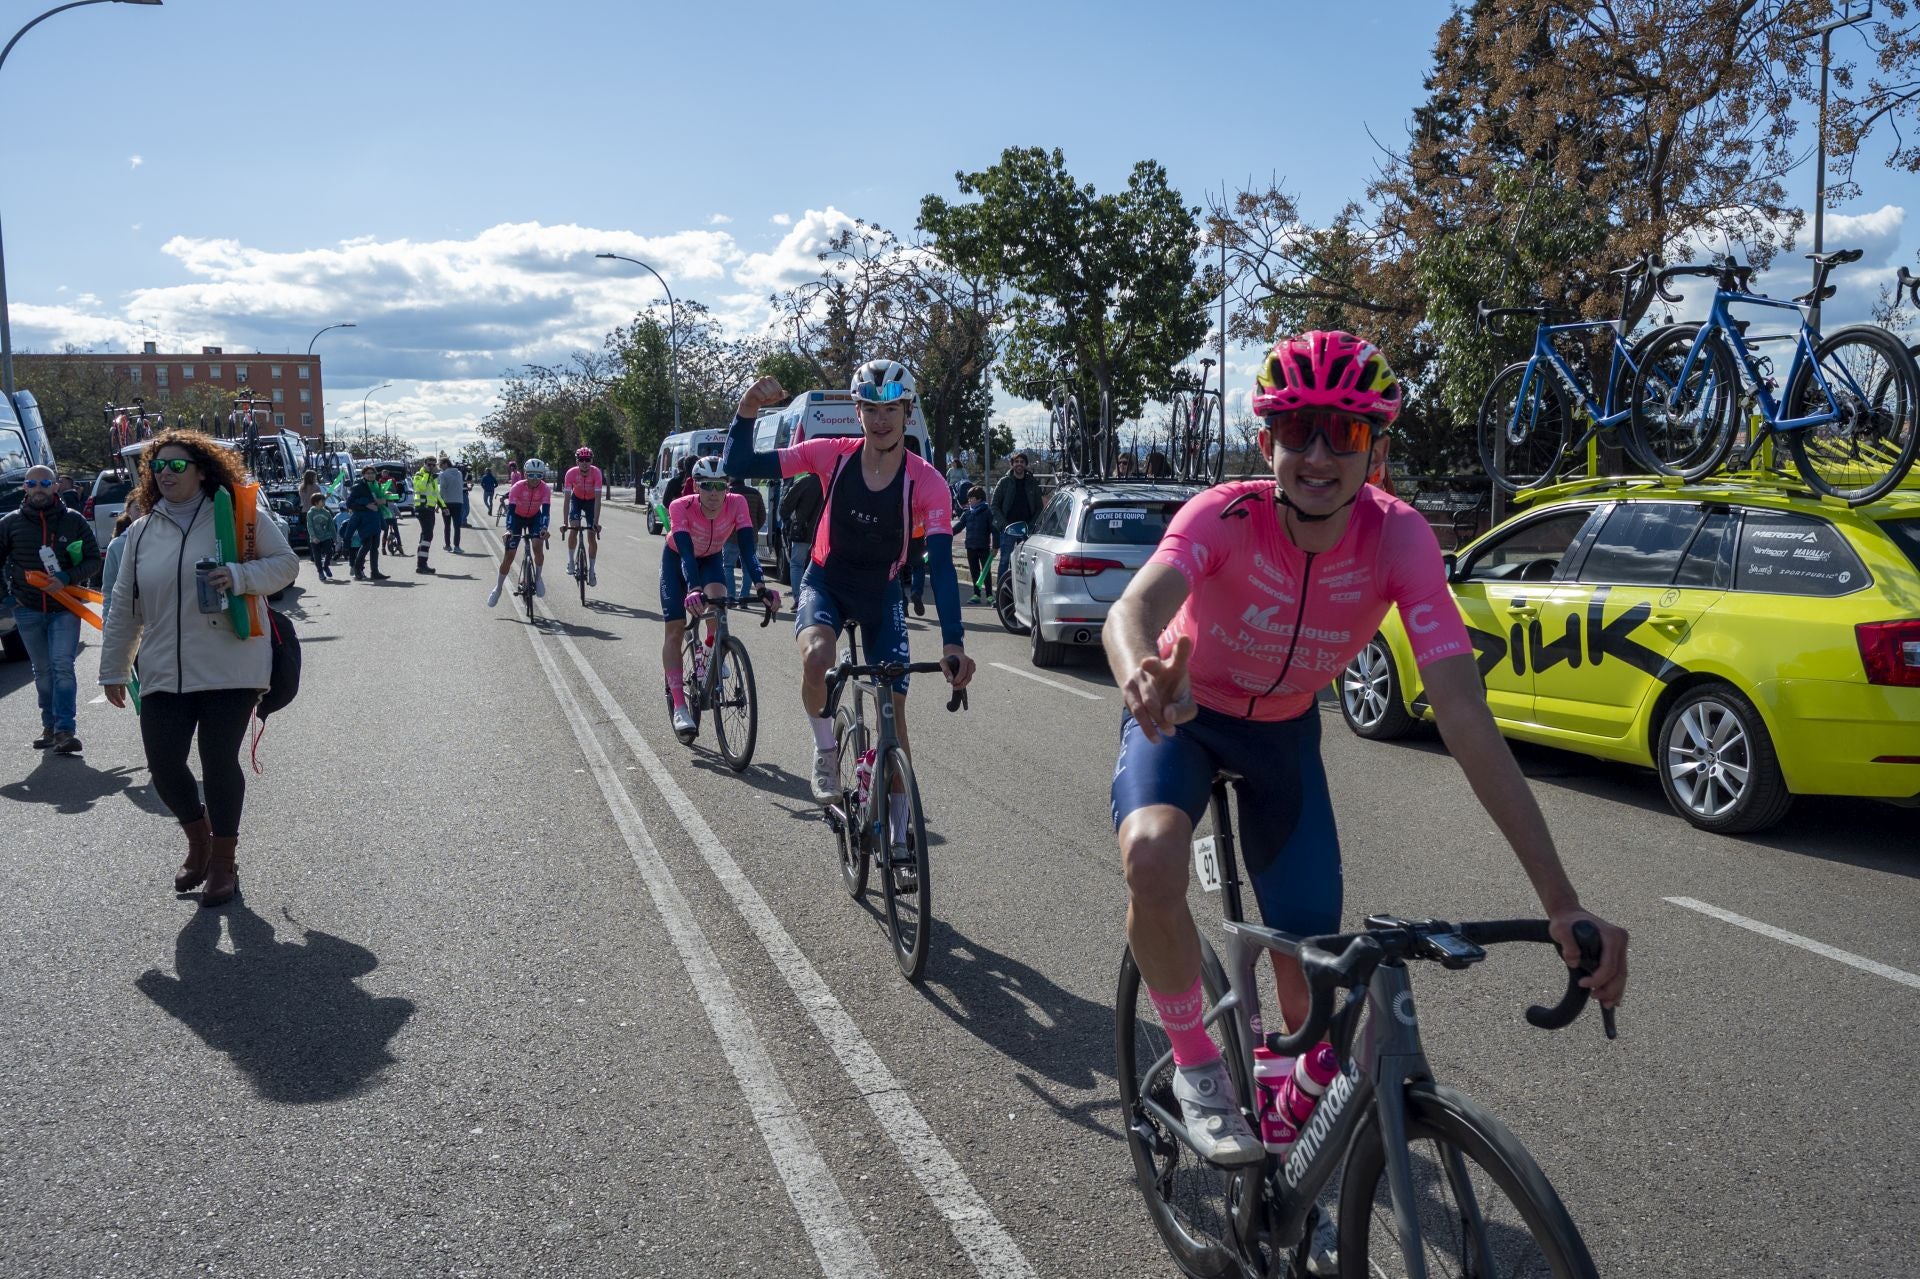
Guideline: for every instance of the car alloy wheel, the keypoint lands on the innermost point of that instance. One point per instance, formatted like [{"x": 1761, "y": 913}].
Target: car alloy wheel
[
  {"x": 1709, "y": 758},
  {"x": 1367, "y": 685}
]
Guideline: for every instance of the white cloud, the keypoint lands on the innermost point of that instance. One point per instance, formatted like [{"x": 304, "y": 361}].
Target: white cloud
[
  {"x": 135, "y": 161},
  {"x": 781, "y": 219},
  {"x": 796, "y": 257},
  {"x": 718, "y": 219}
]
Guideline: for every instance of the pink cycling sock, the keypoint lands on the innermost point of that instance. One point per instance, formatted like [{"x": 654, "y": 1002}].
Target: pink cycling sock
[
  {"x": 1180, "y": 1017},
  {"x": 677, "y": 689}
]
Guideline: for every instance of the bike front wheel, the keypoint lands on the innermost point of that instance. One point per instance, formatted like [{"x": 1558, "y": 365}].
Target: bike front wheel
[
  {"x": 1685, "y": 403},
  {"x": 1871, "y": 388},
  {"x": 730, "y": 695},
  {"x": 1523, "y": 428},
  {"x": 1189, "y": 1201},
  {"x": 907, "y": 885},
  {"x": 1482, "y": 1203},
  {"x": 850, "y": 741}
]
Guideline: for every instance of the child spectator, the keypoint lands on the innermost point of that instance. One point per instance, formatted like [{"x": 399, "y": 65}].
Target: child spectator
[
  {"x": 976, "y": 523},
  {"x": 320, "y": 532}
]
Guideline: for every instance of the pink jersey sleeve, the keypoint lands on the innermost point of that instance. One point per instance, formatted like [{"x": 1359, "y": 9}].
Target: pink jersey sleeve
[
  {"x": 1187, "y": 544},
  {"x": 932, "y": 499},
  {"x": 738, "y": 514},
  {"x": 1416, "y": 582},
  {"x": 818, "y": 455}
]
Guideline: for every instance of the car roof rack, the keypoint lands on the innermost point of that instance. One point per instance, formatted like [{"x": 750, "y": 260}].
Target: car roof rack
[{"x": 1750, "y": 481}]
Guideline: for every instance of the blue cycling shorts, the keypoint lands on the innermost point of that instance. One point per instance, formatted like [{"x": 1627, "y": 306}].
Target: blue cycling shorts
[
  {"x": 1284, "y": 818},
  {"x": 882, "y": 618},
  {"x": 673, "y": 581},
  {"x": 519, "y": 526}
]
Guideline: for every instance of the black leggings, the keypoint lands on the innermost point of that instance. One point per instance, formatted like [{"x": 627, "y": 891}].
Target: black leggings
[
  {"x": 977, "y": 559},
  {"x": 167, "y": 724}
]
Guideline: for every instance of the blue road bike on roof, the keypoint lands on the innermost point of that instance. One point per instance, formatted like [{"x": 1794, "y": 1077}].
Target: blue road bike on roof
[
  {"x": 1527, "y": 417},
  {"x": 1847, "y": 411}
]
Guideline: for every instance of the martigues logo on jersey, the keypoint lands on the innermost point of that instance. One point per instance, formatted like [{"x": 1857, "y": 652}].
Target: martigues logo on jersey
[{"x": 1591, "y": 639}]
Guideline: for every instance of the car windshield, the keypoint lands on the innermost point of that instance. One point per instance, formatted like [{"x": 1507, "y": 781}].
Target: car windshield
[
  {"x": 1127, "y": 524},
  {"x": 1906, "y": 534}
]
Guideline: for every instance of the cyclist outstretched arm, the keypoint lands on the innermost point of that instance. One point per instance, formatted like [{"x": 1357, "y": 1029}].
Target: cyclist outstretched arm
[
  {"x": 1154, "y": 689},
  {"x": 1459, "y": 704}
]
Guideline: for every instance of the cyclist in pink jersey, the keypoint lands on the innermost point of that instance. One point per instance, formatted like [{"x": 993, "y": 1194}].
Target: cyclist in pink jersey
[
  {"x": 584, "y": 485},
  {"x": 527, "y": 503},
  {"x": 1259, "y": 595},
  {"x": 699, "y": 526}
]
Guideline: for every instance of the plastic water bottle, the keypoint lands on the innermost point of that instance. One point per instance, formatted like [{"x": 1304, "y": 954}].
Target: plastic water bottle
[
  {"x": 1271, "y": 1074},
  {"x": 1313, "y": 1070},
  {"x": 863, "y": 776},
  {"x": 700, "y": 652},
  {"x": 49, "y": 561}
]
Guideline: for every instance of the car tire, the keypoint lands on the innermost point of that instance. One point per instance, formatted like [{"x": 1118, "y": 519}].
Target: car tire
[
  {"x": 653, "y": 525},
  {"x": 1370, "y": 695},
  {"x": 1708, "y": 737},
  {"x": 1046, "y": 653}
]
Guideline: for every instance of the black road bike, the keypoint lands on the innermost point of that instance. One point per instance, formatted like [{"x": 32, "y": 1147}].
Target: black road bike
[{"x": 721, "y": 681}]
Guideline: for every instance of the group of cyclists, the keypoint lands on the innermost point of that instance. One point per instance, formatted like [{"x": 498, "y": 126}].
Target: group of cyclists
[
  {"x": 1259, "y": 594},
  {"x": 528, "y": 501}
]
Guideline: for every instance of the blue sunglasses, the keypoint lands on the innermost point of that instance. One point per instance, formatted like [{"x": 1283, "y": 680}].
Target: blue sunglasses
[
  {"x": 885, "y": 393},
  {"x": 37, "y": 484}
]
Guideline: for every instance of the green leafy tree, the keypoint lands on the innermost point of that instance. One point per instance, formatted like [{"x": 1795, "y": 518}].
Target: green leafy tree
[{"x": 1102, "y": 285}]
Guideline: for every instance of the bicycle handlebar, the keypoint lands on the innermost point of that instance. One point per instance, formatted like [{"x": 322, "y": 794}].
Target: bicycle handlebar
[
  {"x": 1908, "y": 283},
  {"x": 886, "y": 673},
  {"x": 1360, "y": 953}
]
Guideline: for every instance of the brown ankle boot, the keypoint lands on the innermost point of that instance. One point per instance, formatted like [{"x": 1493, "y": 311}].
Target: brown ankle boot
[
  {"x": 194, "y": 869},
  {"x": 223, "y": 879}
]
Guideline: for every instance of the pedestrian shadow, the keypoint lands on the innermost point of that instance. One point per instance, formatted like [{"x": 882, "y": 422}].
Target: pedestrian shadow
[
  {"x": 290, "y": 1015},
  {"x": 1019, "y": 1010},
  {"x": 68, "y": 785}
]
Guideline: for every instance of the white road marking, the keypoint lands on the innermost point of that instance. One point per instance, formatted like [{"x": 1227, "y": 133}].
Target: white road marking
[
  {"x": 837, "y": 1240},
  {"x": 991, "y": 1249},
  {"x": 631, "y": 538},
  {"x": 1804, "y": 943},
  {"x": 1050, "y": 683}
]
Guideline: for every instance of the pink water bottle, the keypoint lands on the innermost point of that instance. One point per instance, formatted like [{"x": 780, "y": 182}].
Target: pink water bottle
[
  {"x": 863, "y": 776},
  {"x": 1312, "y": 1072},
  {"x": 1271, "y": 1074}
]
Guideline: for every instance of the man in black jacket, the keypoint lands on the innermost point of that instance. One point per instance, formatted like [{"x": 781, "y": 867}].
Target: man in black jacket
[
  {"x": 799, "y": 516},
  {"x": 48, "y": 537},
  {"x": 1016, "y": 500},
  {"x": 367, "y": 522}
]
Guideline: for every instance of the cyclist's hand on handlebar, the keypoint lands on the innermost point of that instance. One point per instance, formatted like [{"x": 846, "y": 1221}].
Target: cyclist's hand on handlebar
[
  {"x": 695, "y": 603},
  {"x": 1609, "y": 980},
  {"x": 961, "y": 677},
  {"x": 771, "y": 598},
  {"x": 1159, "y": 693}
]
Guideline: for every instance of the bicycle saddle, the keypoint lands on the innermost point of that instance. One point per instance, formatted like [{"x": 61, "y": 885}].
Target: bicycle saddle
[
  {"x": 1839, "y": 257},
  {"x": 1807, "y": 298}
]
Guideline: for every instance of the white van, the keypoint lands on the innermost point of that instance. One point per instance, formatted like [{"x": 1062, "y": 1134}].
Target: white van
[
  {"x": 687, "y": 443},
  {"x": 810, "y": 416}
]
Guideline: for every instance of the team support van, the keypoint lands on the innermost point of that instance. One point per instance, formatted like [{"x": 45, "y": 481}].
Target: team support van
[{"x": 696, "y": 444}]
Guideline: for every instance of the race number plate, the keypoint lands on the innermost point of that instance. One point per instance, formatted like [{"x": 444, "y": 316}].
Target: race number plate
[{"x": 1207, "y": 863}]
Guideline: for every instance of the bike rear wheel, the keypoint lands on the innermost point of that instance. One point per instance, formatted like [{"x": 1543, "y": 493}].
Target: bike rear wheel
[
  {"x": 731, "y": 696},
  {"x": 1483, "y": 1205},
  {"x": 1873, "y": 388},
  {"x": 1188, "y": 1200},
  {"x": 1685, "y": 415},
  {"x": 850, "y": 739},
  {"x": 908, "y": 886},
  {"x": 1523, "y": 429}
]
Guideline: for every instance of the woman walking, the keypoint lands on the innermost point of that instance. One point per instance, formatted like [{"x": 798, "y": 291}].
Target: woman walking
[{"x": 196, "y": 676}]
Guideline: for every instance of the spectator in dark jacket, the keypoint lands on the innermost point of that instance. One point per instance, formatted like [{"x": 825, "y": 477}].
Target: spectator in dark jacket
[
  {"x": 1016, "y": 500},
  {"x": 367, "y": 522},
  {"x": 487, "y": 485},
  {"x": 46, "y": 536},
  {"x": 975, "y": 524},
  {"x": 799, "y": 516}
]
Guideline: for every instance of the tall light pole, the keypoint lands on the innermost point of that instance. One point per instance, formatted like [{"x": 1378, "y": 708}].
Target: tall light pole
[
  {"x": 6, "y": 326},
  {"x": 330, "y": 328},
  {"x": 365, "y": 435},
  {"x": 1825, "y": 32},
  {"x": 673, "y": 348}
]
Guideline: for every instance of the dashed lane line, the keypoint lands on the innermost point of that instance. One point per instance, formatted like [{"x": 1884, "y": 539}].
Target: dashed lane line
[{"x": 1873, "y": 966}]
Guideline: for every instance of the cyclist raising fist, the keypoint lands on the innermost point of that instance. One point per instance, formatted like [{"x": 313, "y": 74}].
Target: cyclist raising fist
[{"x": 1287, "y": 580}]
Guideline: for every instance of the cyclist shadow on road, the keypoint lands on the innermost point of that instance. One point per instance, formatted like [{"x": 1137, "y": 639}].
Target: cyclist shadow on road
[
  {"x": 1019, "y": 1011},
  {"x": 771, "y": 778},
  {"x": 621, "y": 610},
  {"x": 290, "y": 1015},
  {"x": 68, "y": 785}
]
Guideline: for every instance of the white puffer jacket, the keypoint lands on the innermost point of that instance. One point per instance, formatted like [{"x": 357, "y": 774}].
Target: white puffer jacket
[{"x": 181, "y": 649}]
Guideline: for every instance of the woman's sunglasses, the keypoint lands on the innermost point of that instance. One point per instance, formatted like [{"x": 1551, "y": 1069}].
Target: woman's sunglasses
[
  {"x": 175, "y": 464},
  {"x": 1345, "y": 433}
]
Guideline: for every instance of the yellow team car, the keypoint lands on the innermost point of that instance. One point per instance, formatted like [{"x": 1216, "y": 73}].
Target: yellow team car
[{"x": 1748, "y": 643}]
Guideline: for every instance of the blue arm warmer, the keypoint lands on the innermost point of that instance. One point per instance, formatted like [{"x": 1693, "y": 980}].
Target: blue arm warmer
[
  {"x": 946, "y": 588},
  {"x": 739, "y": 460},
  {"x": 745, "y": 540},
  {"x": 689, "y": 563}
]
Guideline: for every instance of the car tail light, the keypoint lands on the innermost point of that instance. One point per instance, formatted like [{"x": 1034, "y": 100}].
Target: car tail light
[
  {"x": 1890, "y": 651},
  {"x": 1084, "y": 565},
  {"x": 86, "y": 509}
]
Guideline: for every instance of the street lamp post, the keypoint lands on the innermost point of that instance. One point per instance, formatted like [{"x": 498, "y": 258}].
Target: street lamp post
[
  {"x": 366, "y": 435},
  {"x": 330, "y": 328},
  {"x": 1825, "y": 32},
  {"x": 673, "y": 349},
  {"x": 6, "y": 326}
]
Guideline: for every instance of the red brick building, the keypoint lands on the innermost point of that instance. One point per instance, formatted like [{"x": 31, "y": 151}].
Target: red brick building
[{"x": 291, "y": 382}]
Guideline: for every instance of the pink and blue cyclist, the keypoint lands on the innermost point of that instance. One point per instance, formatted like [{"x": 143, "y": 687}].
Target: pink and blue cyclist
[
  {"x": 529, "y": 505},
  {"x": 1259, "y": 595},
  {"x": 700, "y": 524},
  {"x": 585, "y": 484},
  {"x": 874, "y": 492}
]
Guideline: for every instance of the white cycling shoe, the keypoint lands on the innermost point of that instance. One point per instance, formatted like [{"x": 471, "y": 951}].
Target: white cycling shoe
[
  {"x": 593, "y": 578},
  {"x": 493, "y": 596},
  {"x": 540, "y": 585},
  {"x": 683, "y": 723},
  {"x": 826, "y": 775},
  {"x": 1214, "y": 1122}
]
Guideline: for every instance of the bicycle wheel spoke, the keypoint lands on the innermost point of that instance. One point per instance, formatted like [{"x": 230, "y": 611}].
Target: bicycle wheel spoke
[
  {"x": 1864, "y": 388},
  {"x": 1469, "y": 1227}
]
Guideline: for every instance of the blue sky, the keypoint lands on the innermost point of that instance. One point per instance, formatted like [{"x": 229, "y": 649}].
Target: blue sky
[{"x": 242, "y": 172}]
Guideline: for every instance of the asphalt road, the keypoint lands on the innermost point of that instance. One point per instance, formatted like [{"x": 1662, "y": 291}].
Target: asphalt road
[{"x": 518, "y": 985}]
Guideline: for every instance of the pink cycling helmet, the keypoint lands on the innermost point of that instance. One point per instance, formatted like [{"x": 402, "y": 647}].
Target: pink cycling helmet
[
  {"x": 1322, "y": 370},
  {"x": 583, "y": 454}
]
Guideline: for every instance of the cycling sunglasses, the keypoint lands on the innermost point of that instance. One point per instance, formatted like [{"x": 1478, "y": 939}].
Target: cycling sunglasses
[
  {"x": 37, "y": 484},
  {"x": 1345, "y": 433},
  {"x": 175, "y": 464},
  {"x": 886, "y": 393},
  {"x": 713, "y": 486}
]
